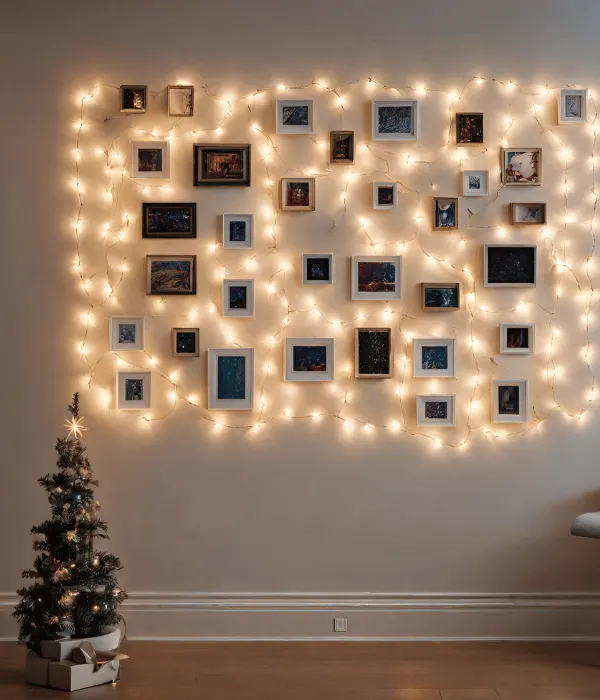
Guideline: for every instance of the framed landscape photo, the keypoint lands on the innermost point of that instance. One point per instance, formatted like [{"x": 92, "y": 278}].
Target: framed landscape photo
[
  {"x": 317, "y": 269},
  {"x": 238, "y": 298},
  {"x": 372, "y": 353},
  {"x": 385, "y": 195},
  {"x": 469, "y": 128},
  {"x": 238, "y": 230},
  {"x": 517, "y": 338},
  {"x": 298, "y": 194},
  {"x": 509, "y": 400},
  {"x": 394, "y": 120},
  {"x": 227, "y": 164},
  {"x": 341, "y": 147},
  {"x": 150, "y": 159},
  {"x": 180, "y": 100},
  {"x": 476, "y": 183},
  {"x": 521, "y": 166},
  {"x": 133, "y": 99},
  {"x": 376, "y": 277},
  {"x": 168, "y": 220},
  {"x": 440, "y": 296},
  {"x": 134, "y": 390},
  {"x": 434, "y": 357},
  {"x": 231, "y": 379},
  {"x": 436, "y": 410},
  {"x": 170, "y": 274},
  {"x": 445, "y": 213},
  {"x": 126, "y": 333},
  {"x": 528, "y": 213},
  {"x": 308, "y": 360},
  {"x": 509, "y": 265},
  {"x": 185, "y": 342},
  {"x": 572, "y": 106},
  {"x": 294, "y": 116}
]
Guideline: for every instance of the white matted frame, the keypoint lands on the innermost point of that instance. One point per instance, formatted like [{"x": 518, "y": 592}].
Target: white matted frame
[
  {"x": 229, "y": 219},
  {"x": 293, "y": 374},
  {"x": 435, "y": 402},
  {"x": 230, "y": 404},
  {"x": 137, "y": 146},
  {"x": 285, "y": 115},
  {"x": 503, "y": 400},
  {"x": 468, "y": 183},
  {"x": 232, "y": 311},
  {"x": 379, "y": 134},
  {"x": 134, "y": 391},
  {"x": 572, "y": 106},
  {"x": 180, "y": 100},
  {"x": 515, "y": 345},
  {"x": 448, "y": 372},
  {"x": 306, "y": 258},
  {"x": 126, "y": 333},
  {"x": 486, "y": 280},
  {"x": 358, "y": 260},
  {"x": 393, "y": 186}
]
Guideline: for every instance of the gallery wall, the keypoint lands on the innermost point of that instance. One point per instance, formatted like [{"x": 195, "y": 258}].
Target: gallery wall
[{"x": 271, "y": 532}]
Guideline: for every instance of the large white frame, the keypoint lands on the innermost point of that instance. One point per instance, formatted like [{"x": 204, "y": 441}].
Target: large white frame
[
  {"x": 423, "y": 422},
  {"x": 216, "y": 404},
  {"x": 376, "y": 296},
  {"x": 293, "y": 129},
  {"x": 376, "y": 135},
  {"x": 122, "y": 403},
  {"x": 289, "y": 375},
  {"x": 248, "y": 312},
  {"x": 486, "y": 283},
  {"x": 419, "y": 372},
  {"x": 164, "y": 174},
  {"x": 521, "y": 417},
  {"x": 505, "y": 350},
  {"x": 140, "y": 324},
  {"x": 249, "y": 220}
]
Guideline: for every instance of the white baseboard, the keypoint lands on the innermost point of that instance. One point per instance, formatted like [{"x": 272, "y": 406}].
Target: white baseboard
[{"x": 371, "y": 616}]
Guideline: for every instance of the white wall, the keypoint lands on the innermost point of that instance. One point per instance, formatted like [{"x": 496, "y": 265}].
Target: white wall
[{"x": 231, "y": 522}]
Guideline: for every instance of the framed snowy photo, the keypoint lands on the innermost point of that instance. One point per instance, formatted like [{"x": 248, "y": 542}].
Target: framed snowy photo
[
  {"x": 294, "y": 116},
  {"x": 475, "y": 183},
  {"x": 126, "y": 333},
  {"x": 394, "y": 120},
  {"x": 572, "y": 106},
  {"x": 231, "y": 379},
  {"x": 134, "y": 390}
]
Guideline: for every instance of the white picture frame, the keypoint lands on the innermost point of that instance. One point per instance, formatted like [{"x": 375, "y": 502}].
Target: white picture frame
[
  {"x": 231, "y": 398},
  {"x": 436, "y": 410},
  {"x": 382, "y": 133},
  {"x": 293, "y": 361},
  {"x": 126, "y": 333},
  {"x": 482, "y": 176},
  {"x": 503, "y": 404},
  {"x": 311, "y": 276},
  {"x": 572, "y": 106},
  {"x": 134, "y": 391},
  {"x": 139, "y": 161},
  {"x": 493, "y": 277},
  {"x": 521, "y": 342},
  {"x": 180, "y": 100},
  {"x": 238, "y": 297},
  {"x": 360, "y": 270},
  {"x": 286, "y": 119},
  {"x": 423, "y": 352},
  {"x": 381, "y": 195},
  {"x": 231, "y": 237}
]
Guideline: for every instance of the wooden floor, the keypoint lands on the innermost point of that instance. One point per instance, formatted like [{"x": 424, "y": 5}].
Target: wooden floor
[{"x": 344, "y": 670}]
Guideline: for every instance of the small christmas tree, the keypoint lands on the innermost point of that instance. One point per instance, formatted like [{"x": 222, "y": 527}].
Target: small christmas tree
[{"x": 76, "y": 592}]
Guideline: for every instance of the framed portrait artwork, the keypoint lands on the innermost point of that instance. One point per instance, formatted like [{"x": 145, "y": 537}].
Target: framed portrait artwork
[
  {"x": 168, "y": 220},
  {"x": 509, "y": 265},
  {"x": 126, "y": 333},
  {"x": 170, "y": 274},
  {"x": 298, "y": 194},
  {"x": 238, "y": 230},
  {"x": 341, "y": 147},
  {"x": 445, "y": 213},
  {"x": 440, "y": 296},
  {"x": 231, "y": 379},
  {"x": 185, "y": 342},
  {"x": 134, "y": 390},
  {"x": 572, "y": 106},
  {"x": 469, "y": 128},
  {"x": 180, "y": 100},
  {"x": 376, "y": 277},
  {"x": 227, "y": 164},
  {"x": 133, "y": 99},
  {"x": 434, "y": 358},
  {"x": 372, "y": 353},
  {"x": 517, "y": 338},
  {"x": 317, "y": 269},
  {"x": 476, "y": 183},
  {"x": 385, "y": 195},
  {"x": 509, "y": 400},
  {"x": 436, "y": 410},
  {"x": 238, "y": 298},
  {"x": 528, "y": 213},
  {"x": 394, "y": 120},
  {"x": 294, "y": 116},
  {"x": 150, "y": 159},
  {"x": 521, "y": 166},
  {"x": 308, "y": 360}
]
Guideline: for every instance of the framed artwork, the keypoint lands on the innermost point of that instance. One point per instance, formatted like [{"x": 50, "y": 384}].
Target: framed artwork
[
  {"x": 440, "y": 296},
  {"x": 436, "y": 410},
  {"x": 133, "y": 99},
  {"x": 376, "y": 277},
  {"x": 341, "y": 147},
  {"x": 294, "y": 116},
  {"x": 521, "y": 166},
  {"x": 372, "y": 353},
  {"x": 434, "y": 357},
  {"x": 394, "y": 120},
  {"x": 445, "y": 213},
  {"x": 509, "y": 265},
  {"x": 238, "y": 230},
  {"x": 317, "y": 269},
  {"x": 227, "y": 164},
  {"x": 298, "y": 194},
  {"x": 509, "y": 400},
  {"x": 517, "y": 338},
  {"x": 168, "y": 220},
  {"x": 186, "y": 342},
  {"x": 150, "y": 159},
  {"x": 134, "y": 390},
  {"x": 231, "y": 379},
  {"x": 476, "y": 183},
  {"x": 126, "y": 333},
  {"x": 572, "y": 106},
  {"x": 308, "y": 360},
  {"x": 469, "y": 128},
  {"x": 385, "y": 195},
  {"x": 170, "y": 274},
  {"x": 238, "y": 298},
  {"x": 528, "y": 213},
  {"x": 180, "y": 100}
]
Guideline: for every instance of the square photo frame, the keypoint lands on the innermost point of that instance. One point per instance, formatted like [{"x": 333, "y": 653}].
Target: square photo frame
[
  {"x": 134, "y": 391},
  {"x": 394, "y": 120},
  {"x": 168, "y": 220},
  {"x": 170, "y": 274},
  {"x": 341, "y": 147},
  {"x": 445, "y": 213},
  {"x": 133, "y": 99},
  {"x": 238, "y": 298},
  {"x": 376, "y": 277},
  {"x": 469, "y": 128},
  {"x": 221, "y": 164},
  {"x": 509, "y": 265},
  {"x": 521, "y": 167},
  {"x": 308, "y": 360},
  {"x": 510, "y": 400},
  {"x": 436, "y": 410},
  {"x": 180, "y": 100},
  {"x": 126, "y": 333},
  {"x": 185, "y": 342},
  {"x": 385, "y": 195},
  {"x": 440, "y": 296},
  {"x": 517, "y": 338},
  {"x": 317, "y": 269},
  {"x": 150, "y": 159},
  {"x": 572, "y": 106},
  {"x": 476, "y": 183},
  {"x": 528, "y": 213},
  {"x": 294, "y": 116},
  {"x": 434, "y": 358},
  {"x": 373, "y": 353},
  {"x": 230, "y": 379},
  {"x": 238, "y": 230},
  {"x": 297, "y": 194}
]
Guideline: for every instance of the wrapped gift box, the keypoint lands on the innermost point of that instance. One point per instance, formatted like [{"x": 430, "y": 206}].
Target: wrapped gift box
[
  {"x": 62, "y": 649},
  {"x": 67, "y": 675}
]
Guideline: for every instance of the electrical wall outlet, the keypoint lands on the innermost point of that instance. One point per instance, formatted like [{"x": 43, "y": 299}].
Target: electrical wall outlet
[{"x": 340, "y": 624}]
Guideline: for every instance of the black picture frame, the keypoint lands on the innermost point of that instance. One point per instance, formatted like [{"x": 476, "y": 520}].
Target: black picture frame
[
  {"x": 147, "y": 209},
  {"x": 202, "y": 150}
]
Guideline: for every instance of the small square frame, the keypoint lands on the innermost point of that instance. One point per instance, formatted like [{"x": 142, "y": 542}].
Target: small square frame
[
  {"x": 505, "y": 350},
  {"x": 285, "y": 181},
  {"x": 563, "y": 118},
  {"x": 137, "y": 146},
  {"x": 357, "y": 373},
  {"x": 216, "y": 404},
  {"x": 424, "y": 422},
  {"x": 332, "y": 141},
  {"x": 114, "y": 323},
  {"x": 171, "y": 109},
  {"x": 147, "y": 208},
  {"x": 514, "y": 210},
  {"x": 484, "y": 175},
  {"x": 487, "y": 283},
  {"x": 201, "y": 148},
  {"x": 289, "y": 375},
  {"x": 175, "y": 332},
  {"x": 128, "y": 110},
  {"x": 312, "y": 256},
  {"x": 248, "y": 312},
  {"x": 294, "y": 129},
  {"x": 437, "y": 201},
  {"x": 521, "y": 416},
  {"x": 377, "y": 135},
  {"x": 463, "y": 115},
  {"x": 389, "y": 186},
  {"x": 376, "y": 296},
  {"x": 419, "y": 372},
  {"x": 231, "y": 218},
  {"x": 440, "y": 285},
  {"x": 507, "y": 180},
  {"x": 122, "y": 403},
  {"x": 170, "y": 258}
]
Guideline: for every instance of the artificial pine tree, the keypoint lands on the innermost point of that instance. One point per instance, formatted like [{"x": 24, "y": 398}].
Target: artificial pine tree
[{"x": 76, "y": 592}]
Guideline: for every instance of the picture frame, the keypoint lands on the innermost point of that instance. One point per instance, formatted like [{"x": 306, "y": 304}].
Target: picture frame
[
  {"x": 185, "y": 342},
  {"x": 317, "y": 269},
  {"x": 308, "y": 360},
  {"x": 238, "y": 230},
  {"x": 434, "y": 358},
  {"x": 436, "y": 410},
  {"x": 294, "y": 116},
  {"x": 168, "y": 220},
  {"x": 572, "y": 106},
  {"x": 297, "y": 194},
  {"x": 373, "y": 357},
  {"x": 230, "y": 379},
  {"x": 150, "y": 159},
  {"x": 134, "y": 390},
  {"x": 394, "y": 120},
  {"x": 445, "y": 213},
  {"x": 126, "y": 333},
  {"x": 440, "y": 296},
  {"x": 171, "y": 275},
  {"x": 510, "y": 400},
  {"x": 469, "y": 128},
  {"x": 517, "y": 338},
  {"x": 528, "y": 213},
  {"x": 385, "y": 195},
  {"x": 509, "y": 265},
  {"x": 226, "y": 165},
  {"x": 238, "y": 298},
  {"x": 376, "y": 277},
  {"x": 180, "y": 100},
  {"x": 475, "y": 183},
  {"x": 133, "y": 99},
  {"x": 341, "y": 147},
  {"x": 521, "y": 167}
]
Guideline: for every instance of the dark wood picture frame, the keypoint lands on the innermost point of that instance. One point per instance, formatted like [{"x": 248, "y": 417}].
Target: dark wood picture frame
[
  {"x": 147, "y": 208},
  {"x": 342, "y": 161},
  {"x": 175, "y": 331},
  {"x": 459, "y": 117},
  {"x": 200, "y": 148}
]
